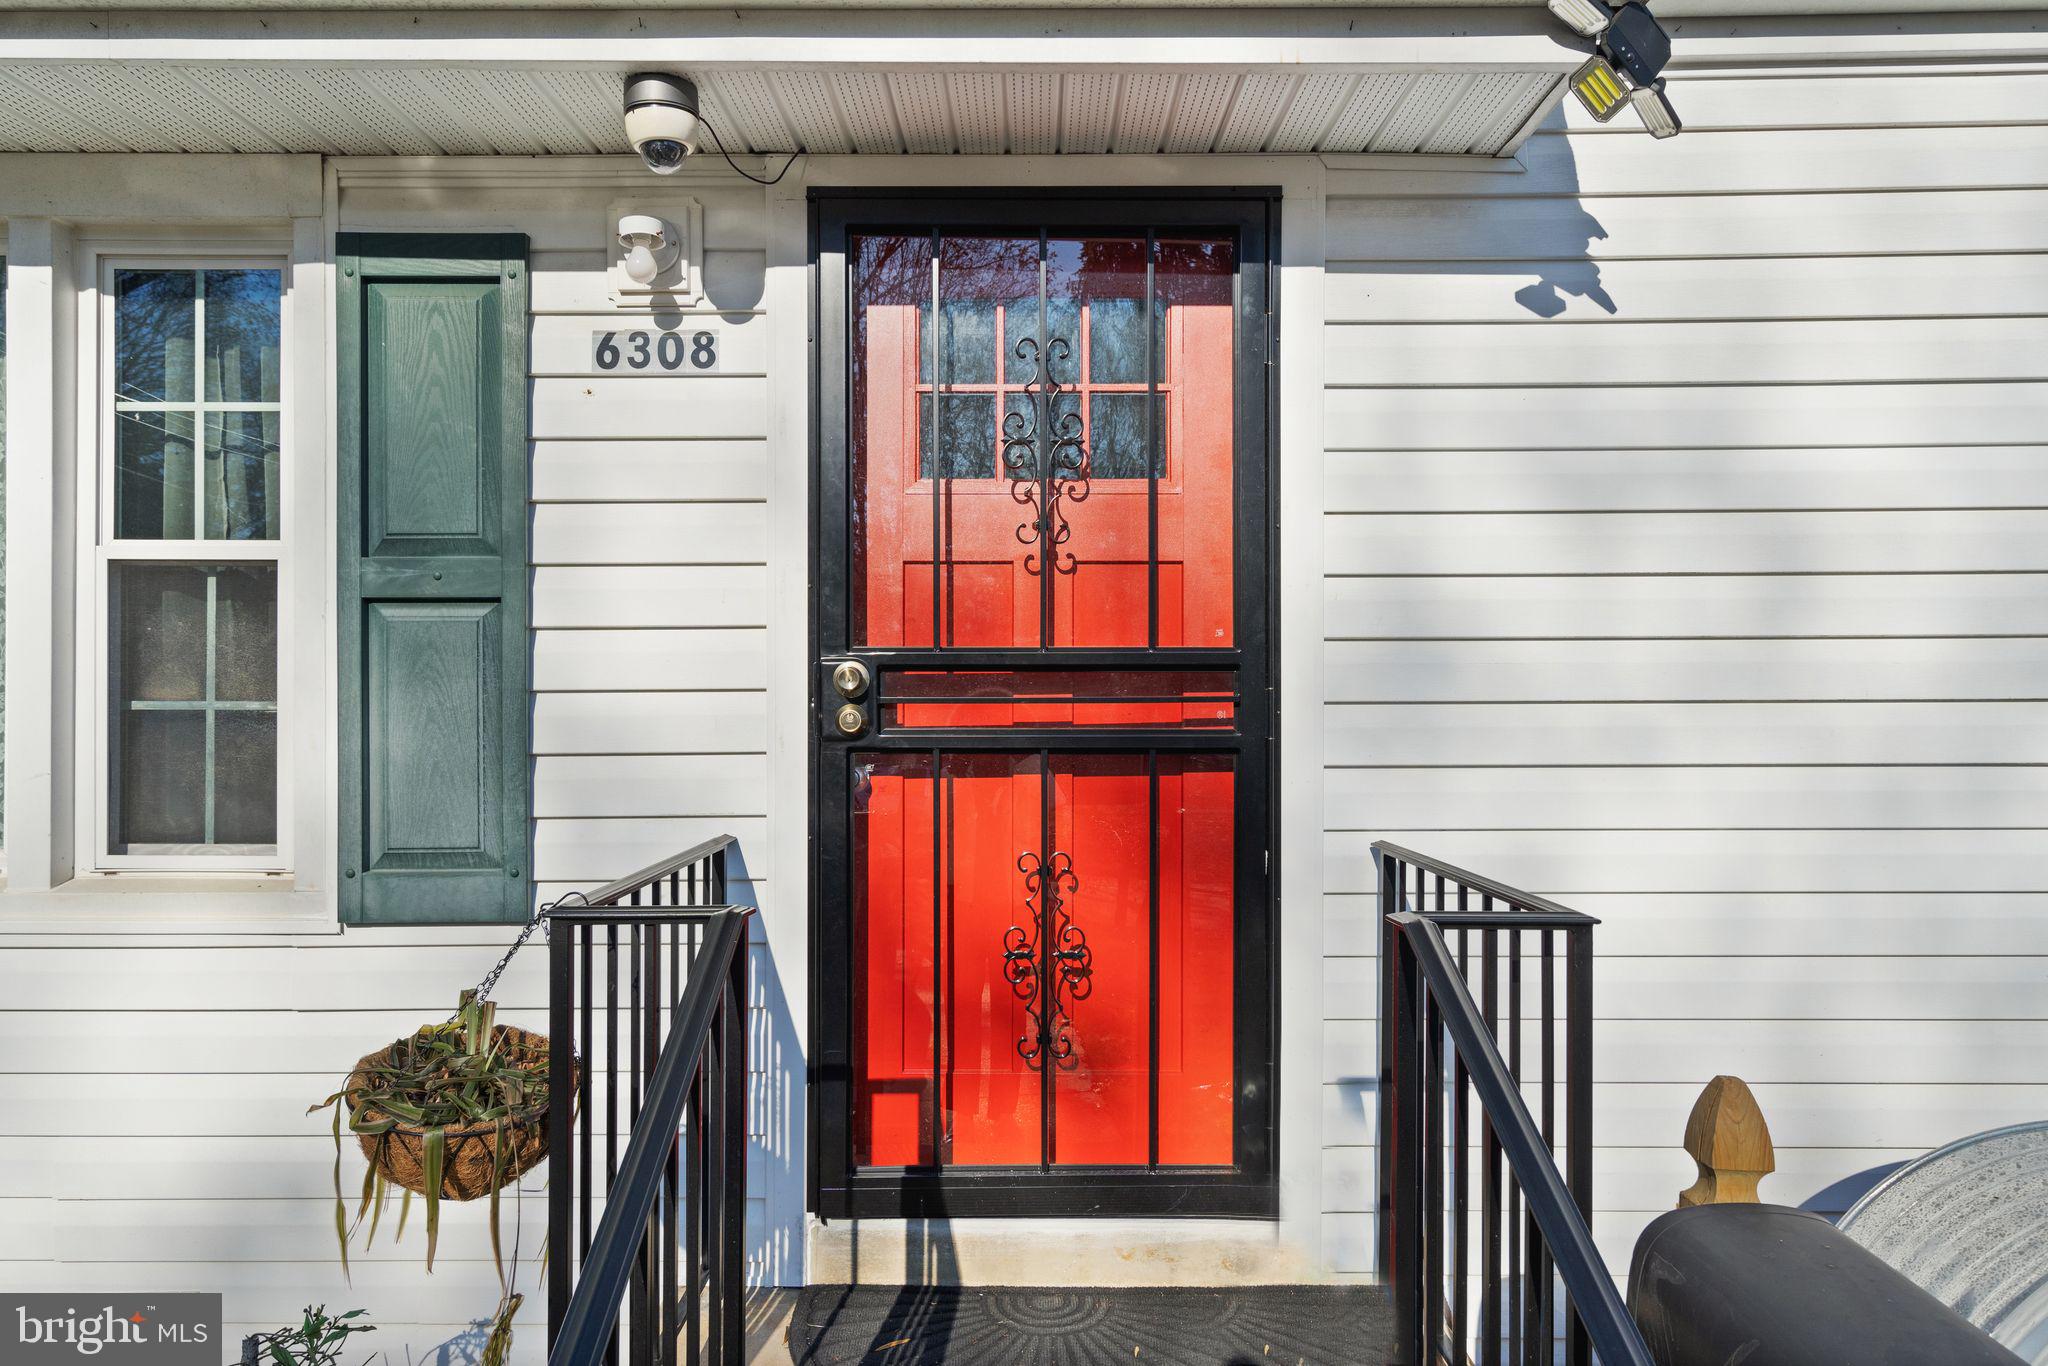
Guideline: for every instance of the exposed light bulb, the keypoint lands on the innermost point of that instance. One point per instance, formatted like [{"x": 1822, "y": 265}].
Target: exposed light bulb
[{"x": 640, "y": 263}]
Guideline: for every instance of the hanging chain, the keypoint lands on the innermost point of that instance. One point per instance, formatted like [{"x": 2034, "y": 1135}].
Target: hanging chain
[{"x": 539, "y": 917}]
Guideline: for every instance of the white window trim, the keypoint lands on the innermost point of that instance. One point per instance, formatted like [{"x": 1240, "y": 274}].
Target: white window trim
[
  {"x": 65, "y": 889},
  {"x": 97, "y": 534},
  {"x": 55, "y": 231}
]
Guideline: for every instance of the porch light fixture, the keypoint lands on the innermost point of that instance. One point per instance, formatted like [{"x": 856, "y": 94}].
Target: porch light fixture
[
  {"x": 1587, "y": 18},
  {"x": 1600, "y": 88},
  {"x": 1632, "y": 50},
  {"x": 650, "y": 246},
  {"x": 1655, "y": 110}
]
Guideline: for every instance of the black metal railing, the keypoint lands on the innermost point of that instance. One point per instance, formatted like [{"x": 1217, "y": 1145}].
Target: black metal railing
[
  {"x": 647, "y": 1187},
  {"x": 1506, "y": 1272}
]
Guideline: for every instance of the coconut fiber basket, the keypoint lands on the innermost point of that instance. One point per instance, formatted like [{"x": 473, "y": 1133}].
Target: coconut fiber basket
[{"x": 469, "y": 1170}]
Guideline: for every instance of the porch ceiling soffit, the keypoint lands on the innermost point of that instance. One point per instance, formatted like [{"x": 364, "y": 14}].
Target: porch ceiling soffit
[{"x": 1410, "y": 82}]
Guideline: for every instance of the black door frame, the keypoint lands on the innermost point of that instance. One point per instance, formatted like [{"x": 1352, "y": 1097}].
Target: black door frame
[{"x": 1246, "y": 1188}]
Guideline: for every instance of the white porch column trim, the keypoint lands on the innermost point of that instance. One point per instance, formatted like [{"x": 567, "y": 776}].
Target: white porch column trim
[
  {"x": 1299, "y": 859},
  {"x": 316, "y": 779},
  {"x": 42, "y": 321},
  {"x": 785, "y": 913}
]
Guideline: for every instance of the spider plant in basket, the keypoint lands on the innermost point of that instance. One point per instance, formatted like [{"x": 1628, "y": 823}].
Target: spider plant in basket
[{"x": 455, "y": 1112}]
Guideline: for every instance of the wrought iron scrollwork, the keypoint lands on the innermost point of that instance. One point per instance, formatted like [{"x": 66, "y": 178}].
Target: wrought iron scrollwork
[
  {"x": 1045, "y": 458},
  {"x": 1066, "y": 974}
]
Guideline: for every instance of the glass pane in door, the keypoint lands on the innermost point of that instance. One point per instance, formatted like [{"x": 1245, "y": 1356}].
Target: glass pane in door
[{"x": 1041, "y": 440}]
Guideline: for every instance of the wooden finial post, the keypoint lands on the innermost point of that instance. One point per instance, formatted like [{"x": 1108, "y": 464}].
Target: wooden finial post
[{"x": 1728, "y": 1138}]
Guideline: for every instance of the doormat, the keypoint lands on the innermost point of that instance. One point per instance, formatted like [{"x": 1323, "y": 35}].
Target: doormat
[{"x": 836, "y": 1325}]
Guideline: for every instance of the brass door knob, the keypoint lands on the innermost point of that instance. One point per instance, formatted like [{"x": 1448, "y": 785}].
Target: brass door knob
[
  {"x": 851, "y": 678},
  {"x": 850, "y": 720}
]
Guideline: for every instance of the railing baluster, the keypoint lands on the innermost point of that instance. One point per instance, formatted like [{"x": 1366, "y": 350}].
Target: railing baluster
[
  {"x": 671, "y": 1227},
  {"x": 1433, "y": 1175},
  {"x": 1545, "y": 1291},
  {"x": 586, "y": 1150},
  {"x": 561, "y": 1121},
  {"x": 714, "y": 1184},
  {"x": 1385, "y": 1148},
  {"x": 1490, "y": 1186},
  {"x": 1404, "y": 1095},
  {"x": 646, "y": 1045},
  {"x": 1517, "y": 1276},
  {"x": 611, "y": 1052},
  {"x": 1549, "y": 1026},
  {"x": 611, "y": 1092},
  {"x": 693, "y": 1255},
  {"x": 1578, "y": 1102},
  {"x": 1461, "y": 1324},
  {"x": 732, "y": 1160}
]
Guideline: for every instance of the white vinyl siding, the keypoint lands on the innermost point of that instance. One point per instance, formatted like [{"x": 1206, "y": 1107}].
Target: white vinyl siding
[{"x": 1687, "y": 563}]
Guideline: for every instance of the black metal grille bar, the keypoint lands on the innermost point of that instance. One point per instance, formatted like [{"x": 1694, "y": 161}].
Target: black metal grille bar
[
  {"x": 1047, "y": 833},
  {"x": 1524, "y": 1249},
  {"x": 658, "y": 1279},
  {"x": 1151, "y": 946},
  {"x": 941, "y": 1115},
  {"x": 1155, "y": 455},
  {"x": 936, "y": 361}
]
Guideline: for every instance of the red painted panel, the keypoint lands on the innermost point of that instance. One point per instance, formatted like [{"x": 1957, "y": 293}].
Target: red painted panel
[
  {"x": 1195, "y": 281},
  {"x": 892, "y": 844},
  {"x": 992, "y": 810},
  {"x": 1197, "y": 934},
  {"x": 1100, "y": 816},
  {"x": 1003, "y": 698}
]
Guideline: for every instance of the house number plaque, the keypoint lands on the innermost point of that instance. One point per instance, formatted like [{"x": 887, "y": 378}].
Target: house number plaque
[{"x": 686, "y": 351}]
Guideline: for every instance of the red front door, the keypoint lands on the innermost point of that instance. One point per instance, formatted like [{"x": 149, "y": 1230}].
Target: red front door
[{"x": 1044, "y": 782}]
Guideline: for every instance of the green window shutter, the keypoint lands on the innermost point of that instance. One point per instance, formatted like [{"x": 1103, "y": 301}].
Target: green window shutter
[{"x": 433, "y": 603}]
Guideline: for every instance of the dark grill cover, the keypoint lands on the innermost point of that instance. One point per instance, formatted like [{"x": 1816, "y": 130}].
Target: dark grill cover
[{"x": 1764, "y": 1285}]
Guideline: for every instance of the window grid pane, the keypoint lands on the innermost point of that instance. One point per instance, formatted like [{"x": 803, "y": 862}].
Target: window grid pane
[
  {"x": 1110, "y": 405},
  {"x": 194, "y": 676},
  {"x": 197, "y": 387}
]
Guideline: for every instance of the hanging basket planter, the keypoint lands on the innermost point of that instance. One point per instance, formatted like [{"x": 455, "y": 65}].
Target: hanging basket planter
[
  {"x": 456, "y": 1111},
  {"x": 476, "y": 1159}
]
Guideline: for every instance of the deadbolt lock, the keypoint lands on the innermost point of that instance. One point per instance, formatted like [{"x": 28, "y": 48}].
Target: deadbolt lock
[
  {"x": 851, "y": 678},
  {"x": 850, "y": 720}
]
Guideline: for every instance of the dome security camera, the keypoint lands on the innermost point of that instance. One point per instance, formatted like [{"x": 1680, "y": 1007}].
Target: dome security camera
[{"x": 661, "y": 119}]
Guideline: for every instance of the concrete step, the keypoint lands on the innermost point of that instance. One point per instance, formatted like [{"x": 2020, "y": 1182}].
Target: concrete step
[{"x": 769, "y": 1312}]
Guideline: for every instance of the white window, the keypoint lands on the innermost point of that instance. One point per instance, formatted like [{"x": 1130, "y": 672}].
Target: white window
[{"x": 192, "y": 566}]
